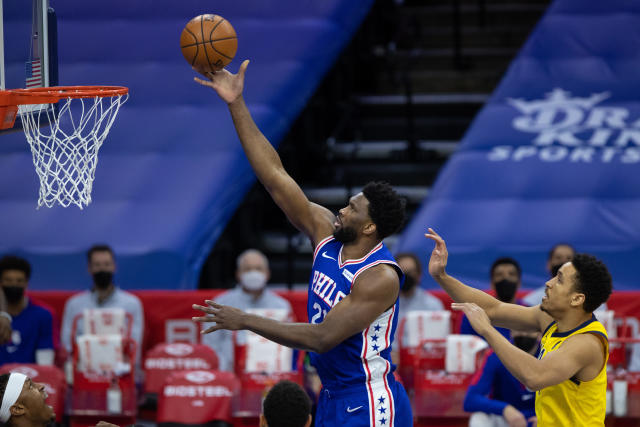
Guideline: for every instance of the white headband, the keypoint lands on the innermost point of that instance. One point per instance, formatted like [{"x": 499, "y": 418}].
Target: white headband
[{"x": 11, "y": 394}]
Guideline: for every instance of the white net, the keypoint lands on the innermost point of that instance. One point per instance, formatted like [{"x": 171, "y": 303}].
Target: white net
[{"x": 64, "y": 143}]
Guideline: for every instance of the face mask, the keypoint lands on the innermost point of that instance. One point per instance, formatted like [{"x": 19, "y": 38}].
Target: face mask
[
  {"x": 506, "y": 290},
  {"x": 13, "y": 294},
  {"x": 409, "y": 283},
  {"x": 102, "y": 279},
  {"x": 525, "y": 343},
  {"x": 253, "y": 280}
]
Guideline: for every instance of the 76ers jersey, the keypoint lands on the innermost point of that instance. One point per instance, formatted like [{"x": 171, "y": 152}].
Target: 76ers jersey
[{"x": 364, "y": 358}]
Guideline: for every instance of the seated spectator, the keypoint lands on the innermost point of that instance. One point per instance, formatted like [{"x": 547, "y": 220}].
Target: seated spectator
[
  {"x": 506, "y": 276},
  {"x": 286, "y": 405},
  {"x": 412, "y": 296},
  {"x": 32, "y": 326},
  {"x": 103, "y": 294},
  {"x": 252, "y": 273},
  {"x": 497, "y": 398}
]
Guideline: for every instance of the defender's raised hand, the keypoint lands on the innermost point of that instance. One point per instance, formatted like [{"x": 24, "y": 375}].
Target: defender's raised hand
[
  {"x": 439, "y": 255},
  {"x": 228, "y": 86},
  {"x": 224, "y": 316}
]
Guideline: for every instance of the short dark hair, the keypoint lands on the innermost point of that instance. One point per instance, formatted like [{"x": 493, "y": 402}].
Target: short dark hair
[
  {"x": 12, "y": 262},
  {"x": 386, "y": 207},
  {"x": 593, "y": 280},
  {"x": 556, "y": 246},
  {"x": 4, "y": 379},
  {"x": 414, "y": 257},
  {"x": 99, "y": 248},
  {"x": 505, "y": 260},
  {"x": 286, "y": 405}
]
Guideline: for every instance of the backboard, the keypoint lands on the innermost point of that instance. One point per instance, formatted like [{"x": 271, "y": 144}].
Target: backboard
[{"x": 28, "y": 47}]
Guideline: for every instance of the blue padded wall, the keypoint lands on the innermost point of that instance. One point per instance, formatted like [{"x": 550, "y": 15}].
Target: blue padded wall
[
  {"x": 171, "y": 172},
  {"x": 553, "y": 156}
]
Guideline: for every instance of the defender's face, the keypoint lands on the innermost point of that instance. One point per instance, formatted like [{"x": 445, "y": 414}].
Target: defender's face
[{"x": 560, "y": 290}]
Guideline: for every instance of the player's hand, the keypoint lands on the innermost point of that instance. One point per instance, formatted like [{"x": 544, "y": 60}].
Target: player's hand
[
  {"x": 439, "y": 255},
  {"x": 476, "y": 316},
  {"x": 513, "y": 417},
  {"x": 224, "y": 316},
  {"x": 533, "y": 421},
  {"x": 228, "y": 86},
  {"x": 5, "y": 330}
]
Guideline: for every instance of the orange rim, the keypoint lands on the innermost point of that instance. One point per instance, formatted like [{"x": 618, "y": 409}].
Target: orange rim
[{"x": 49, "y": 95}]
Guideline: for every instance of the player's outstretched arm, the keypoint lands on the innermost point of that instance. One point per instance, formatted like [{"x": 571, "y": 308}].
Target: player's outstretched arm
[
  {"x": 313, "y": 220},
  {"x": 375, "y": 291},
  {"x": 580, "y": 357},
  {"x": 512, "y": 316}
]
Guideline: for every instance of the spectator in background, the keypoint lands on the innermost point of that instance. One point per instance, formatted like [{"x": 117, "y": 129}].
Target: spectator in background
[
  {"x": 32, "y": 326},
  {"x": 103, "y": 294},
  {"x": 252, "y": 274},
  {"x": 558, "y": 255},
  {"x": 497, "y": 398},
  {"x": 412, "y": 296},
  {"x": 286, "y": 405},
  {"x": 506, "y": 276}
]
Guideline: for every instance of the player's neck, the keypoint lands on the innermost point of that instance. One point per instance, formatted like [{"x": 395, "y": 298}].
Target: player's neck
[
  {"x": 358, "y": 248},
  {"x": 572, "y": 320}
]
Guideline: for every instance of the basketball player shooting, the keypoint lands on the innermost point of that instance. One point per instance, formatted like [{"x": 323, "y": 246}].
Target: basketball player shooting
[
  {"x": 569, "y": 375},
  {"x": 353, "y": 289}
]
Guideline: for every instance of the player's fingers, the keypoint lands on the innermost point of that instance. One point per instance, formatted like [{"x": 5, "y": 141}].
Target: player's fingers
[
  {"x": 213, "y": 304},
  {"x": 243, "y": 68},
  {"x": 208, "y": 310},
  {"x": 211, "y": 329},
  {"x": 203, "y": 319},
  {"x": 207, "y": 83}
]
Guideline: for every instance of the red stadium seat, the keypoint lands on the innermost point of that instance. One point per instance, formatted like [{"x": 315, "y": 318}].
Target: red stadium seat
[
  {"x": 164, "y": 359},
  {"x": 197, "y": 398},
  {"x": 52, "y": 378}
]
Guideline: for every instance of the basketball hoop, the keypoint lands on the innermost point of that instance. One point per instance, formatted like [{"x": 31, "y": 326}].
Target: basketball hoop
[{"x": 65, "y": 150}]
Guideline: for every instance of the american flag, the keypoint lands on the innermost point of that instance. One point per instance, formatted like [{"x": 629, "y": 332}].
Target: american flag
[{"x": 34, "y": 74}]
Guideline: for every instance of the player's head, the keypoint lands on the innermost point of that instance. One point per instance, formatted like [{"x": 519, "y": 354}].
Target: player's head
[
  {"x": 14, "y": 277},
  {"x": 286, "y": 405},
  {"x": 102, "y": 265},
  {"x": 23, "y": 401},
  {"x": 558, "y": 255},
  {"x": 505, "y": 275},
  {"x": 252, "y": 270},
  {"x": 583, "y": 283},
  {"x": 412, "y": 269},
  {"x": 377, "y": 212}
]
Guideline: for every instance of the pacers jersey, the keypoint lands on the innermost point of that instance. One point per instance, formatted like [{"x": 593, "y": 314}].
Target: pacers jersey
[
  {"x": 573, "y": 402},
  {"x": 366, "y": 356}
]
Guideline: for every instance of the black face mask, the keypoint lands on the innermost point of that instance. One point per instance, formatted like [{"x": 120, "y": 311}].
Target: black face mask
[
  {"x": 525, "y": 343},
  {"x": 13, "y": 294},
  {"x": 506, "y": 290},
  {"x": 554, "y": 269},
  {"x": 409, "y": 283},
  {"x": 102, "y": 279},
  {"x": 345, "y": 234}
]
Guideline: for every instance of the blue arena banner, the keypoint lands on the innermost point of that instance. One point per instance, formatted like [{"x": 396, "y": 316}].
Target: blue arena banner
[{"x": 554, "y": 156}]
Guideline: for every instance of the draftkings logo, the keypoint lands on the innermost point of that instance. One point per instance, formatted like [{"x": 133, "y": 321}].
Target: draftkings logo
[{"x": 574, "y": 129}]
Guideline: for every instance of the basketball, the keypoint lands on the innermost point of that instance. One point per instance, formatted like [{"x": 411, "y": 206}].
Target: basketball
[{"x": 208, "y": 43}]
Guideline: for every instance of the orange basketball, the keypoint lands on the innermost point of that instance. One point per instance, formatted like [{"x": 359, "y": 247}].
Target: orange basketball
[{"x": 208, "y": 42}]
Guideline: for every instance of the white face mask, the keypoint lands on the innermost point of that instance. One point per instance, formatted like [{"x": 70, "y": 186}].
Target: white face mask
[{"x": 253, "y": 280}]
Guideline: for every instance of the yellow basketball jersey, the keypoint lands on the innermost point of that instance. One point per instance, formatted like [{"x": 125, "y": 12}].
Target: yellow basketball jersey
[{"x": 573, "y": 402}]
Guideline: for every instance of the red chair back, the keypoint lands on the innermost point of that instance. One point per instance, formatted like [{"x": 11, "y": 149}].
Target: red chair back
[
  {"x": 164, "y": 359},
  {"x": 197, "y": 397}
]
